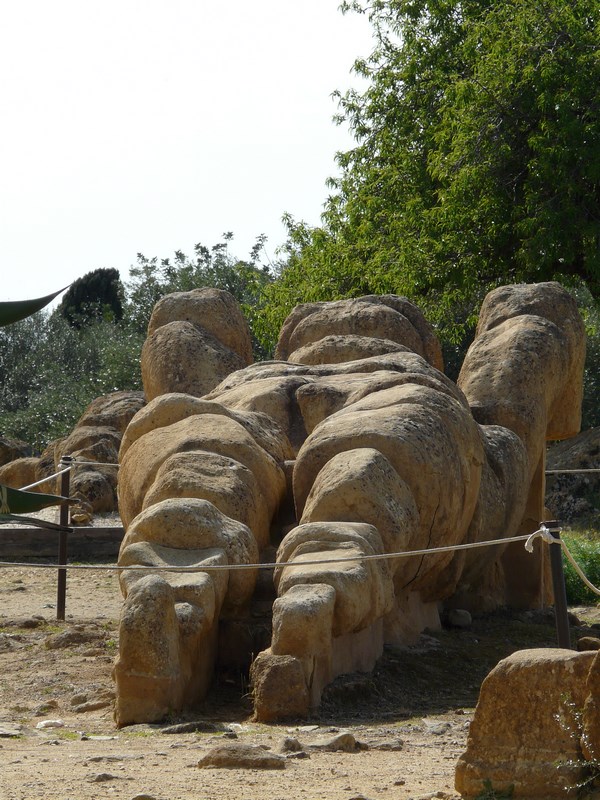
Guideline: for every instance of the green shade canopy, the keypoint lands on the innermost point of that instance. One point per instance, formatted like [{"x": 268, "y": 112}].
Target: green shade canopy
[{"x": 13, "y": 311}]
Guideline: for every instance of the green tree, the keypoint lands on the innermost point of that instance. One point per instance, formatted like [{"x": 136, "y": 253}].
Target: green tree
[
  {"x": 477, "y": 160},
  {"x": 50, "y": 372},
  {"x": 97, "y": 295}
]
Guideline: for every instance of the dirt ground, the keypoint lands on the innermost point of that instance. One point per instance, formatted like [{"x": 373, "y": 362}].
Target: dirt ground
[{"x": 58, "y": 739}]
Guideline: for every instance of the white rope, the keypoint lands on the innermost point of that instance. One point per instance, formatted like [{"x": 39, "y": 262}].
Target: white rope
[
  {"x": 569, "y": 471},
  {"x": 77, "y": 463},
  {"x": 277, "y": 564},
  {"x": 578, "y": 570},
  {"x": 543, "y": 533},
  {"x": 71, "y": 464},
  {"x": 43, "y": 480}
]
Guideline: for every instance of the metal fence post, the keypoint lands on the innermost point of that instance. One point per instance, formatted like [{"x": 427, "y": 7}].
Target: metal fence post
[
  {"x": 61, "y": 594},
  {"x": 561, "y": 613}
]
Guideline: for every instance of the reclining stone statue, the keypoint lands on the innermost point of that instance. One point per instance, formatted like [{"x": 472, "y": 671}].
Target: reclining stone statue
[{"x": 351, "y": 445}]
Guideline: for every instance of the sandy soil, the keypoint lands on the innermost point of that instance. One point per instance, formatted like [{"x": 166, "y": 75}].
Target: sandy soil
[{"x": 412, "y": 714}]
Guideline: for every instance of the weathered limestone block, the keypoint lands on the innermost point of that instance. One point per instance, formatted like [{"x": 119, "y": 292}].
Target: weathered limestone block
[
  {"x": 480, "y": 584},
  {"x": 149, "y": 653},
  {"x": 97, "y": 438},
  {"x": 524, "y": 371},
  {"x": 299, "y": 396},
  {"x": 590, "y": 733},
  {"x": 174, "y": 407},
  {"x": 201, "y": 432},
  {"x": 364, "y": 589},
  {"x": 226, "y": 483},
  {"x": 434, "y": 445},
  {"x": 166, "y": 650},
  {"x": 303, "y": 620},
  {"x": 114, "y": 410},
  {"x": 328, "y": 616},
  {"x": 194, "y": 524},
  {"x": 181, "y": 357},
  {"x": 549, "y": 301},
  {"x": 362, "y": 486},
  {"x": 524, "y": 733},
  {"x": 379, "y": 317},
  {"x": 169, "y": 627},
  {"x": 279, "y": 688},
  {"x": 23, "y": 471},
  {"x": 195, "y": 339},
  {"x": 271, "y": 395},
  {"x": 340, "y": 348},
  {"x": 215, "y": 310}
]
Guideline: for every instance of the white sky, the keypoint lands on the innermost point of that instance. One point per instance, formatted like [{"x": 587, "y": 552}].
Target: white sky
[{"x": 146, "y": 126}]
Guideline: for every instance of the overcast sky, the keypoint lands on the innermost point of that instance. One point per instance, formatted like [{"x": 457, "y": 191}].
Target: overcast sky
[{"x": 149, "y": 125}]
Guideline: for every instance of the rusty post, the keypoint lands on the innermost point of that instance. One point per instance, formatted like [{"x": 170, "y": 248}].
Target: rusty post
[
  {"x": 561, "y": 613},
  {"x": 61, "y": 594}
]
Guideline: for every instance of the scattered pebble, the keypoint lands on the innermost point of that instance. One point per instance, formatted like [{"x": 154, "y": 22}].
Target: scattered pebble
[
  {"x": 343, "y": 742},
  {"x": 102, "y": 777},
  {"x": 197, "y": 726},
  {"x": 241, "y": 756}
]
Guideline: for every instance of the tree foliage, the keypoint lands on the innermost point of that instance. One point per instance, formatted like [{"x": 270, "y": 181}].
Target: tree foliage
[
  {"x": 97, "y": 295},
  {"x": 477, "y": 159},
  {"x": 50, "y": 372}
]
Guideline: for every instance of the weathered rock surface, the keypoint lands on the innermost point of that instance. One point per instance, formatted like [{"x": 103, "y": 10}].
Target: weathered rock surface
[
  {"x": 195, "y": 339},
  {"x": 208, "y": 432},
  {"x": 241, "y": 756},
  {"x": 95, "y": 439},
  {"x": 385, "y": 317},
  {"x": 22, "y": 472},
  {"x": 215, "y": 310},
  {"x": 10, "y": 449},
  {"x": 524, "y": 733},
  {"x": 381, "y": 454},
  {"x": 335, "y": 349}
]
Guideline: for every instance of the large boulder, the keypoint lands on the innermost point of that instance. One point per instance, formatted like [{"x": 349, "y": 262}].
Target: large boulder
[
  {"x": 10, "y": 449},
  {"x": 114, "y": 410},
  {"x": 386, "y": 317},
  {"x": 195, "y": 339},
  {"x": 94, "y": 442},
  {"x": 525, "y": 732},
  {"x": 214, "y": 310},
  {"x": 362, "y": 486},
  {"x": 181, "y": 357},
  {"x": 209, "y": 433},
  {"x": 432, "y": 443},
  {"x": 524, "y": 372},
  {"x": 169, "y": 625},
  {"x": 22, "y": 472}
]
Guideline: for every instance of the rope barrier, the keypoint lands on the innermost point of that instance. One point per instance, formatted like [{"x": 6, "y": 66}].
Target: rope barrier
[
  {"x": 578, "y": 570},
  {"x": 43, "y": 480},
  {"x": 569, "y": 471},
  {"x": 542, "y": 532},
  {"x": 77, "y": 463}
]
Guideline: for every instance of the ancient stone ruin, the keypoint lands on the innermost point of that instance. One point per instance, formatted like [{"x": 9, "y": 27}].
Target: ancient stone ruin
[{"x": 352, "y": 443}]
